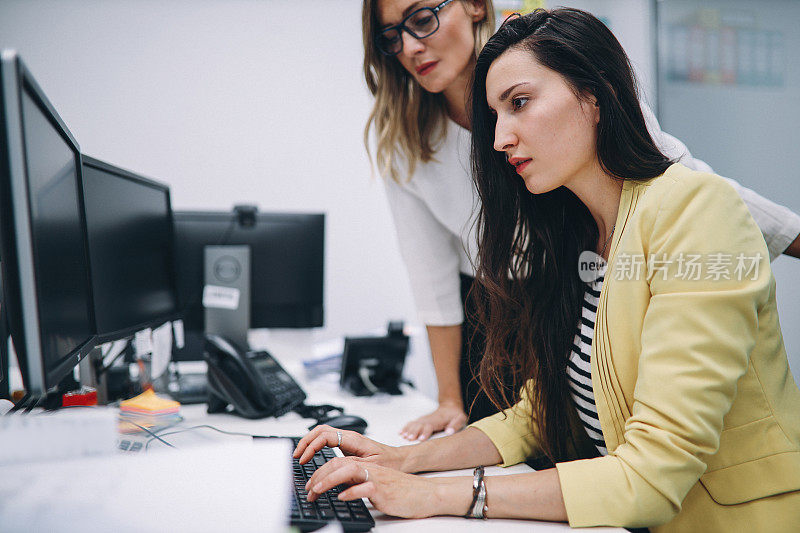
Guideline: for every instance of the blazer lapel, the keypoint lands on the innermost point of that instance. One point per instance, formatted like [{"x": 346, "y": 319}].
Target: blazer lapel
[{"x": 612, "y": 410}]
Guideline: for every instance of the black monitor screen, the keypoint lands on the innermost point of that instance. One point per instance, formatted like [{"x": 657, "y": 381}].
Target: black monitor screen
[
  {"x": 60, "y": 256},
  {"x": 287, "y": 258},
  {"x": 129, "y": 222}
]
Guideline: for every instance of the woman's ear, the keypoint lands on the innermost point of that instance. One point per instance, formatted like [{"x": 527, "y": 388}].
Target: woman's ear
[
  {"x": 591, "y": 106},
  {"x": 476, "y": 9}
]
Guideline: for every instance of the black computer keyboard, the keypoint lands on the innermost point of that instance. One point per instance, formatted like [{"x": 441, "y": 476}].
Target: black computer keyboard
[
  {"x": 127, "y": 445},
  {"x": 353, "y": 515}
]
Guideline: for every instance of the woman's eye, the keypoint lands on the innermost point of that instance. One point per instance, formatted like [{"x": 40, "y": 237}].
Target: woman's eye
[
  {"x": 423, "y": 21},
  {"x": 518, "y": 102}
]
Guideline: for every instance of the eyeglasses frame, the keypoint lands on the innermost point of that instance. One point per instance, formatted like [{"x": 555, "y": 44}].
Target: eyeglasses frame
[{"x": 401, "y": 27}]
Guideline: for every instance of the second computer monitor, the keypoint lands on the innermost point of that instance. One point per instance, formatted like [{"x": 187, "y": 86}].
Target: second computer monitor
[
  {"x": 129, "y": 223},
  {"x": 287, "y": 264}
]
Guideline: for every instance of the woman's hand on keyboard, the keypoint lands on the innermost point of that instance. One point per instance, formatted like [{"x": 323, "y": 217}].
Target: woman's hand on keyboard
[
  {"x": 391, "y": 492},
  {"x": 352, "y": 444}
]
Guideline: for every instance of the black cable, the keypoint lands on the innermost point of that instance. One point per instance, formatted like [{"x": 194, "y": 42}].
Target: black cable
[
  {"x": 33, "y": 405},
  {"x": 20, "y": 404},
  {"x": 105, "y": 368},
  {"x": 227, "y": 235},
  {"x": 408, "y": 382},
  {"x": 154, "y": 436},
  {"x": 316, "y": 412},
  {"x": 236, "y": 433}
]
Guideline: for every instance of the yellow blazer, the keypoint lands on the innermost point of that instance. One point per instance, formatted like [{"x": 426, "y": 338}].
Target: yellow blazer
[{"x": 699, "y": 411}]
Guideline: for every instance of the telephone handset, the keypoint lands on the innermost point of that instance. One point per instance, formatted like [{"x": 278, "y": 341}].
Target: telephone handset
[{"x": 252, "y": 382}]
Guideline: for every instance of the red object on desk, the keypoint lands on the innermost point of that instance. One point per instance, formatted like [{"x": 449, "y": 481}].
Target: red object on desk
[{"x": 82, "y": 396}]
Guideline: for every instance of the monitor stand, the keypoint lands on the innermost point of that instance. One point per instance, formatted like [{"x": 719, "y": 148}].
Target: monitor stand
[
  {"x": 88, "y": 371},
  {"x": 226, "y": 294},
  {"x": 226, "y": 300}
]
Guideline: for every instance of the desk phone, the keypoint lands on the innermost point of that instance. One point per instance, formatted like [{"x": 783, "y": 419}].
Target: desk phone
[{"x": 253, "y": 383}]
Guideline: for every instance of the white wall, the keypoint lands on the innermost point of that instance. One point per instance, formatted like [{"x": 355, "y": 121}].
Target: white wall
[
  {"x": 630, "y": 20},
  {"x": 258, "y": 101},
  {"x": 230, "y": 101}
]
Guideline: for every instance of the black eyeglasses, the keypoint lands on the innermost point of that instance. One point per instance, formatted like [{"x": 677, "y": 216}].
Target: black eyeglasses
[{"x": 419, "y": 24}]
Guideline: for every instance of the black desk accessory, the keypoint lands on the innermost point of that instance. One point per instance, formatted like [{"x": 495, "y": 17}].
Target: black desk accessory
[
  {"x": 253, "y": 383},
  {"x": 374, "y": 364}
]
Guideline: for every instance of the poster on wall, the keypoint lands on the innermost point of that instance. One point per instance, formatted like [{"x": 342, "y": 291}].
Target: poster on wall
[
  {"x": 505, "y": 8},
  {"x": 713, "y": 46}
]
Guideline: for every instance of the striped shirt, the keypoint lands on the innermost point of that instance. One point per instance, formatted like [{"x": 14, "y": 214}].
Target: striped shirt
[{"x": 579, "y": 371}]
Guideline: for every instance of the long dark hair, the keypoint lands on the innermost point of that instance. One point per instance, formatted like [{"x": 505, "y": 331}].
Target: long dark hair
[{"x": 529, "y": 289}]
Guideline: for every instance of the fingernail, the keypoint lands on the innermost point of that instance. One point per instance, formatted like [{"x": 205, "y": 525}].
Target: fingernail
[{"x": 449, "y": 431}]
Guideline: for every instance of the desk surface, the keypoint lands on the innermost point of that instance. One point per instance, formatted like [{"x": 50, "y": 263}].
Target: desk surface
[{"x": 385, "y": 415}]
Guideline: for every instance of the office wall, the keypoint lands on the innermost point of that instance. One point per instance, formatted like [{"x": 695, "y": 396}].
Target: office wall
[
  {"x": 262, "y": 101},
  {"x": 230, "y": 101}
]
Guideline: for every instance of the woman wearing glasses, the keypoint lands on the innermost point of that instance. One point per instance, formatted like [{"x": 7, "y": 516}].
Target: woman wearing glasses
[
  {"x": 418, "y": 61},
  {"x": 689, "y": 381}
]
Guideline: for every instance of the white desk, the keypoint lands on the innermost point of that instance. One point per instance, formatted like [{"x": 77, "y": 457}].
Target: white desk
[{"x": 385, "y": 415}]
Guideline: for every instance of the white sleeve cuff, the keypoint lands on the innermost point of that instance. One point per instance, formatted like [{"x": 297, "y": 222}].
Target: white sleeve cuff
[
  {"x": 779, "y": 225},
  {"x": 441, "y": 318}
]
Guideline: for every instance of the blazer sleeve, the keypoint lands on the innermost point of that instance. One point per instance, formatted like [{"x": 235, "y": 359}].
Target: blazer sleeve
[
  {"x": 779, "y": 224},
  {"x": 696, "y": 341},
  {"x": 512, "y": 431}
]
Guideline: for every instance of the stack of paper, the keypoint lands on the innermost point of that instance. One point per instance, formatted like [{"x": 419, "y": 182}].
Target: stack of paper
[
  {"x": 149, "y": 411},
  {"x": 230, "y": 487}
]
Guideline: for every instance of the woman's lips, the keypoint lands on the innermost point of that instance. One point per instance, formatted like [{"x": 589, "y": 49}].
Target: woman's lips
[
  {"x": 521, "y": 166},
  {"x": 425, "y": 68}
]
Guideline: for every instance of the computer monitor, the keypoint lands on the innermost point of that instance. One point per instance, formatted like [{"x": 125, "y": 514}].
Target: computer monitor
[
  {"x": 287, "y": 267},
  {"x": 45, "y": 263},
  {"x": 129, "y": 224}
]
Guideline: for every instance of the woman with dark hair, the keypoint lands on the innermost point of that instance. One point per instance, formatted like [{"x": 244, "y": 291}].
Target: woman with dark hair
[
  {"x": 672, "y": 407},
  {"x": 419, "y": 56}
]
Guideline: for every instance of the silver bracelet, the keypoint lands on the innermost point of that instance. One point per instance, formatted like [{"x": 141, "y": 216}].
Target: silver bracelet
[{"x": 478, "y": 508}]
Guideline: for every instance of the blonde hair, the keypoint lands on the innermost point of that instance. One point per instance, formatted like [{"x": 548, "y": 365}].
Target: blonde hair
[{"x": 409, "y": 121}]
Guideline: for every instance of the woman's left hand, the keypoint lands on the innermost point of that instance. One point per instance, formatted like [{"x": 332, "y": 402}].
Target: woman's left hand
[{"x": 390, "y": 491}]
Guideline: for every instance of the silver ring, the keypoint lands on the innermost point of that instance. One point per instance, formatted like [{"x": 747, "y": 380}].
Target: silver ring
[
  {"x": 366, "y": 475},
  {"x": 339, "y": 436}
]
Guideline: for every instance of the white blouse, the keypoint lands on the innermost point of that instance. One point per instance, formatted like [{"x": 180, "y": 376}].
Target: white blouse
[{"x": 435, "y": 211}]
